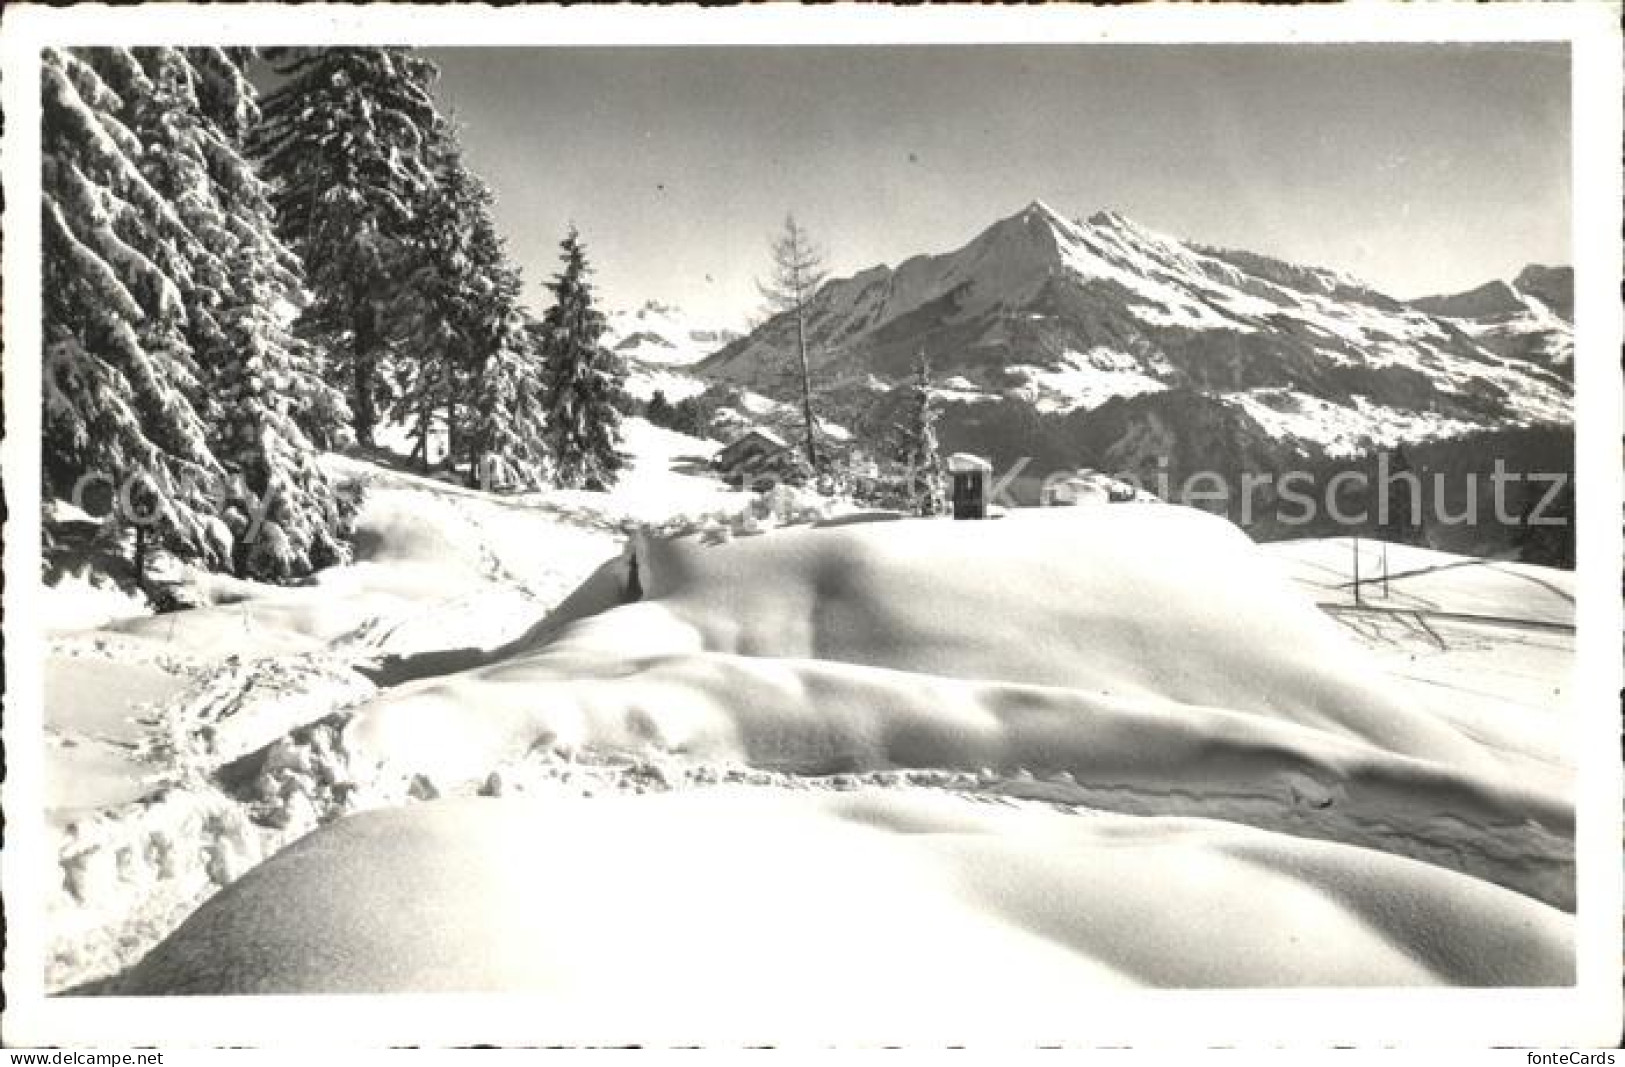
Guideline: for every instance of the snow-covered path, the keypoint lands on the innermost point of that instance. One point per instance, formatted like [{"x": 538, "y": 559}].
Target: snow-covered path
[{"x": 140, "y": 710}]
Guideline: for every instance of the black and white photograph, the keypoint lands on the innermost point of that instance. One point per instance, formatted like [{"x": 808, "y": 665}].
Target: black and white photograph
[{"x": 857, "y": 525}]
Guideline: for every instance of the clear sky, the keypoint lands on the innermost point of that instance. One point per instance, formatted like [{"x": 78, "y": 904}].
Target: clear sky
[{"x": 1420, "y": 168}]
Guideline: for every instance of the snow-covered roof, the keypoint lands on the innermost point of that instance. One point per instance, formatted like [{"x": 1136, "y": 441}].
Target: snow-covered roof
[
  {"x": 753, "y": 440},
  {"x": 757, "y": 432},
  {"x": 964, "y": 461}
]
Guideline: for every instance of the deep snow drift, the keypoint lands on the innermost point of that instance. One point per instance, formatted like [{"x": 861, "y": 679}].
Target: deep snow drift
[
  {"x": 751, "y": 901},
  {"x": 1146, "y": 656},
  {"x": 178, "y": 747},
  {"x": 991, "y": 688}
]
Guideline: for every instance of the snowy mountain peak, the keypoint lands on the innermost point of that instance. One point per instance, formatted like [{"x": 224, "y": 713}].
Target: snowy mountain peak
[
  {"x": 655, "y": 309},
  {"x": 1495, "y": 299},
  {"x": 1123, "y": 227},
  {"x": 1112, "y": 219},
  {"x": 1528, "y": 318},
  {"x": 1070, "y": 315},
  {"x": 1037, "y": 210},
  {"x": 1034, "y": 230},
  {"x": 662, "y": 333},
  {"x": 1552, "y": 286}
]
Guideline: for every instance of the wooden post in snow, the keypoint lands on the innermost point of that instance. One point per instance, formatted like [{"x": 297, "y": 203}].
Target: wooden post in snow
[{"x": 1357, "y": 599}]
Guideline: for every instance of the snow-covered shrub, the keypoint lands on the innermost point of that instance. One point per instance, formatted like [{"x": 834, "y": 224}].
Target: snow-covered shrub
[{"x": 788, "y": 504}]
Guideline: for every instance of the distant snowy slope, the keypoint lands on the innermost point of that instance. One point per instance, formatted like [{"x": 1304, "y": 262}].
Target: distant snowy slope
[
  {"x": 1488, "y": 640},
  {"x": 659, "y": 333},
  {"x": 659, "y": 342}
]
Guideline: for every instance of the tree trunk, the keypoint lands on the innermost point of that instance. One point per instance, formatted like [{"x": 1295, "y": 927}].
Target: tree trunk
[
  {"x": 806, "y": 391},
  {"x": 420, "y": 449},
  {"x": 366, "y": 370},
  {"x": 478, "y": 438},
  {"x": 138, "y": 562},
  {"x": 451, "y": 434},
  {"x": 448, "y": 384}
]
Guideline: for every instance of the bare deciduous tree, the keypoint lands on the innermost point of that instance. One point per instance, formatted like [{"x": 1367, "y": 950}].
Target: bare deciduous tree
[{"x": 798, "y": 271}]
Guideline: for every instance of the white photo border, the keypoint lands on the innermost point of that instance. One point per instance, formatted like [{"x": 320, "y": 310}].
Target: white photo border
[{"x": 1587, "y": 1014}]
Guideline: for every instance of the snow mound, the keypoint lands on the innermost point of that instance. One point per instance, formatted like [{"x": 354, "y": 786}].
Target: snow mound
[
  {"x": 142, "y": 714},
  {"x": 1139, "y": 658},
  {"x": 1006, "y": 682},
  {"x": 488, "y": 895},
  {"x": 79, "y": 602}
]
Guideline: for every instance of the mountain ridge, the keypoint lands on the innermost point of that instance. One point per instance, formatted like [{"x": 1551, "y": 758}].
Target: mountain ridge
[
  {"x": 1530, "y": 317},
  {"x": 1069, "y": 314}
]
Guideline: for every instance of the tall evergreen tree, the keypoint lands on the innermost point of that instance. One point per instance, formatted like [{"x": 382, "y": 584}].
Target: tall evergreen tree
[
  {"x": 276, "y": 404},
  {"x": 433, "y": 311},
  {"x": 201, "y": 216},
  {"x": 467, "y": 363},
  {"x": 267, "y": 277},
  {"x": 121, "y": 382},
  {"x": 919, "y": 453},
  {"x": 584, "y": 383},
  {"x": 506, "y": 436},
  {"x": 345, "y": 141}
]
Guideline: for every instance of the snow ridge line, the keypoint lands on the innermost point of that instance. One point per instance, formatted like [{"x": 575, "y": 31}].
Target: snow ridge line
[
  {"x": 1357, "y": 808},
  {"x": 1526, "y": 858}
]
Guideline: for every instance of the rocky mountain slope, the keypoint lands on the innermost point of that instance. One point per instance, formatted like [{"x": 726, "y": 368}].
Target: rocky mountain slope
[
  {"x": 1066, "y": 316},
  {"x": 1529, "y": 318}
]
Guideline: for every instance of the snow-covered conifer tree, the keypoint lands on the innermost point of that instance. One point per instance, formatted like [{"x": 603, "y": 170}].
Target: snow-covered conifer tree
[
  {"x": 920, "y": 453},
  {"x": 269, "y": 396},
  {"x": 584, "y": 383},
  {"x": 345, "y": 141},
  {"x": 507, "y": 430},
  {"x": 121, "y": 381},
  {"x": 246, "y": 490},
  {"x": 263, "y": 275},
  {"x": 467, "y": 362}
]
